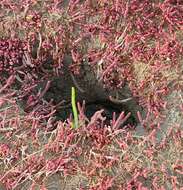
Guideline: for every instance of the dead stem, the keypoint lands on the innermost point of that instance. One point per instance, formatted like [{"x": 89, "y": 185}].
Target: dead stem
[
  {"x": 7, "y": 129},
  {"x": 117, "y": 101},
  {"x": 40, "y": 43},
  {"x": 45, "y": 90},
  {"x": 76, "y": 83},
  {"x": 27, "y": 60},
  {"x": 10, "y": 80}
]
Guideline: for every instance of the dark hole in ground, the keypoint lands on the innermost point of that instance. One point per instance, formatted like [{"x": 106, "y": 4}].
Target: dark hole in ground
[
  {"x": 96, "y": 97},
  {"x": 92, "y": 107},
  {"x": 93, "y": 93}
]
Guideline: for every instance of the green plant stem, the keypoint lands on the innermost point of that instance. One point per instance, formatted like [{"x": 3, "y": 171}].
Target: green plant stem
[{"x": 74, "y": 108}]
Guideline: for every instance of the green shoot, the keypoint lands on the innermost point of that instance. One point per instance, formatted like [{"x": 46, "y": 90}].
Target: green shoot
[{"x": 74, "y": 124}]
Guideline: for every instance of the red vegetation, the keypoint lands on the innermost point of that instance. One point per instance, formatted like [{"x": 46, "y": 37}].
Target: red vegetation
[{"x": 135, "y": 42}]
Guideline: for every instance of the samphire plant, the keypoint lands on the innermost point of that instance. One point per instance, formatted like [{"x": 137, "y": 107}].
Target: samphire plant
[{"x": 135, "y": 42}]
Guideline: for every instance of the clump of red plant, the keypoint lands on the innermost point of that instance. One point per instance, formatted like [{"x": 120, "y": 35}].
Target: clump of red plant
[{"x": 103, "y": 156}]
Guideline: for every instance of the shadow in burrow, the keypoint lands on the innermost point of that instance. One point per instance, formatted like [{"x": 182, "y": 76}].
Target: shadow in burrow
[{"x": 90, "y": 90}]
